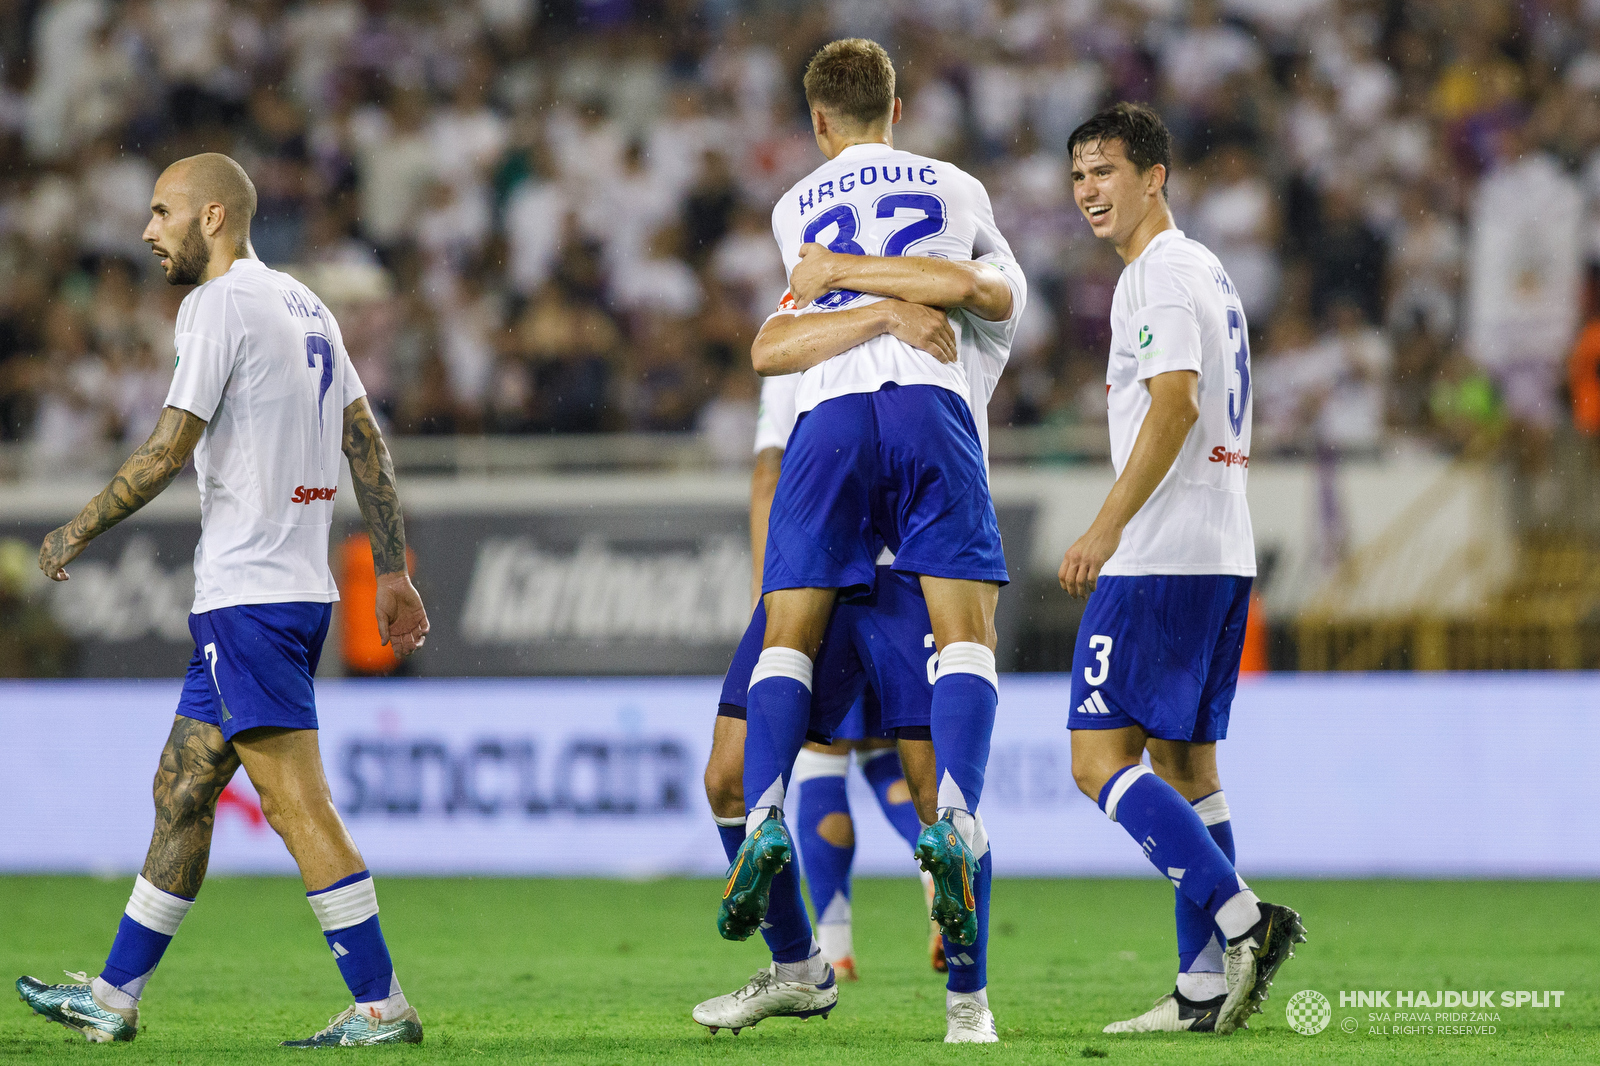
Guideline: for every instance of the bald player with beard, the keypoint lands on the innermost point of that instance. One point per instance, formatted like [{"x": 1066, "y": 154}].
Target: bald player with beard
[{"x": 264, "y": 397}]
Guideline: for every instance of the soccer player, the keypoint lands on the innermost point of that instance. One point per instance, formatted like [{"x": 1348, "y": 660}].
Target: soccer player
[
  {"x": 886, "y": 452},
  {"x": 264, "y": 396},
  {"x": 1166, "y": 566},
  {"x": 874, "y": 647}
]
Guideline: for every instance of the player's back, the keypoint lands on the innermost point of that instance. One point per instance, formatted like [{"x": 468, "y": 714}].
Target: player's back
[
  {"x": 871, "y": 199},
  {"x": 1175, "y": 308},
  {"x": 261, "y": 359}
]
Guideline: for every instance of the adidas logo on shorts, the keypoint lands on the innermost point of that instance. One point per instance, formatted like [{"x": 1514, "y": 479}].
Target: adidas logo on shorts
[{"x": 1094, "y": 704}]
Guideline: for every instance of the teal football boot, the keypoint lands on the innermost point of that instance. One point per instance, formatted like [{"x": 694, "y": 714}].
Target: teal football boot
[
  {"x": 76, "y": 1007},
  {"x": 749, "y": 888},
  {"x": 941, "y": 851},
  {"x": 355, "y": 1028}
]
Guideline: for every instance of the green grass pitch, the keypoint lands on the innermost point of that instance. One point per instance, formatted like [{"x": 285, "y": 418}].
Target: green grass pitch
[{"x": 606, "y": 972}]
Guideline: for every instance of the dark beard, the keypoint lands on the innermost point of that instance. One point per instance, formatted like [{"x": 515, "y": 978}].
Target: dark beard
[{"x": 187, "y": 264}]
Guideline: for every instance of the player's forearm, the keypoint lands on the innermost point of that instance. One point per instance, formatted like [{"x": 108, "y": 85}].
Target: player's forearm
[
  {"x": 763, "y": 486},
  {"x": 1174, "y": 409},
  {"x": 140, "y": 478},
  {"x": 372, "y": 472},
  {"x": 919, "y": 279},
  {"x": 788, "y": 344}
]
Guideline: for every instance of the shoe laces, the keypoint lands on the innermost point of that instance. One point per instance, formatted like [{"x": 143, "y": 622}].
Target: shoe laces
[
  {"x": 968, "y": 1015},
  {"x": 338, "y": 1020},
  {"x": 78, "y": 976},
  {"x": 759, "y": 982}
]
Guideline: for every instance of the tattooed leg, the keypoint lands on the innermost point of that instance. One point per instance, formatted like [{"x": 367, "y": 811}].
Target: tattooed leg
[{"x": 196, "y": 765}]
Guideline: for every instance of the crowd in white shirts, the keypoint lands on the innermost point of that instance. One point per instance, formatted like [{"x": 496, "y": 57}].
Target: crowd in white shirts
[{"x": 552, "y": 216}]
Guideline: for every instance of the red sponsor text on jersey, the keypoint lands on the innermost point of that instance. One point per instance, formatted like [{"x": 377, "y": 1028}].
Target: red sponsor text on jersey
[
  {"x": 305, "y": 495},
  {"x": 1219, "y": 454}
]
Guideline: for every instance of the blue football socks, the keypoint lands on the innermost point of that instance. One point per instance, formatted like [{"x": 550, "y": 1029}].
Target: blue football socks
[
  {"x": 776, "y": 718},
  {"x": 883, "y": 772},
  {"x": 821, "y": 794},
  {"x": 1178, "y": 844},
  {"x": 1200, "y": 942},
  {"x": 148, "y": 925},
  {"x": 969, "y": 963},
  {"x": 348, "y": 913}
]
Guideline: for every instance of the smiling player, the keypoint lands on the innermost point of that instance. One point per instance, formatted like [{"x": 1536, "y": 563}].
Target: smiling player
[
  {"x": 264, "y": 396},
  {"x": 1167, "y": 566}
]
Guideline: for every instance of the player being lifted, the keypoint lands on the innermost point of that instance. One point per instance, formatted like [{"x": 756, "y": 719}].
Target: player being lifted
[
  {"x": 264, "y": 396},
  {"x": 886, "y": 452},
  {"x": 870, "y": 680},
  {"x": 1167, "y": 566}
]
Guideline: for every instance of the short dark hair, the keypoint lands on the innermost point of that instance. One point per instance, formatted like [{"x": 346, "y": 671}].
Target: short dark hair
[
  {"x": 1145, "y": 139},
  {"x": 852, "y": 77}
]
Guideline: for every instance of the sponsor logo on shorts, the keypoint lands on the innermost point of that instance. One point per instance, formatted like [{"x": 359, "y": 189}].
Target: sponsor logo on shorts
[
  {"x": 1219, "y": 454},
  {"x": 305, "y": 495}
]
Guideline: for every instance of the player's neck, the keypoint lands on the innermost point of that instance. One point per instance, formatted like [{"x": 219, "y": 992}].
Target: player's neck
[
  {"x": 836, "y": 144},
  {"x": 1157, "y": 221},
  {"x": 222, "y": 259}
]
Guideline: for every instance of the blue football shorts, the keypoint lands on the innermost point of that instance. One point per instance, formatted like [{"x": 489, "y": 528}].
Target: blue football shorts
[
  {"x": 1162, "y": 652},
  {"x": 253, "y": 666},
  {"x": 874, "y": 661},
  {"x": 901, "y": 466}
]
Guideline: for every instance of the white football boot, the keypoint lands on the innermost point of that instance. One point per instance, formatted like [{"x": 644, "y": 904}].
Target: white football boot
[
  {"x": 765, "y": 996},
  {"x": 969, "y": 1022},
  {"x": 1252, "y": 961},
  {"x": 1172, "y": 1015}
]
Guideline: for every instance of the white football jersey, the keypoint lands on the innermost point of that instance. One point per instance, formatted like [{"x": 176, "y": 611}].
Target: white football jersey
[
  {"x": 1176, "y": 309},
  {"x": 873, "y": 200},
  {"x": 262, "y": 361},
  {"x": 982, "y": 347}
]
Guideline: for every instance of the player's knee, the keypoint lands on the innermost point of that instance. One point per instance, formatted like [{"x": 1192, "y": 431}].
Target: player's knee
[
  {"x": 185, "y": 799},
  {"x": 725, "y": 789},
  {"x": 1090, "y": 774},
  {"x": 837, "y": 829}
]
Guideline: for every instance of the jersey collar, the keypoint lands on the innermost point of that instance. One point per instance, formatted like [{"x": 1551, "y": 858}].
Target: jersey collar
[
  {"x": 863, "y": 151},
  {"x": 1159, "y": 239}
]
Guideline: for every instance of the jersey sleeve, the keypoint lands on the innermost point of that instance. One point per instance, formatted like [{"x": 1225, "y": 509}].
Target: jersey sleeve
[
  {"x": 775, "y": 421},
  {"x": 349, "y": 381},
  {"x": 206, "y": 354},
  {"x": 1004, "y": 329},
  {"x": 1165, "y": 324}
]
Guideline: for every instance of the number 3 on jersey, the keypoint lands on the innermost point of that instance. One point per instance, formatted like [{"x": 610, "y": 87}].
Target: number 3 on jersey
[
  {"x": 1241, "y": 364},
  {"x": 1097, "y": 674}
]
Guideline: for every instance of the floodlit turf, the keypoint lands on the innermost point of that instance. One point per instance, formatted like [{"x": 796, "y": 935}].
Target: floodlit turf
[{"x": 606, "y": 972}]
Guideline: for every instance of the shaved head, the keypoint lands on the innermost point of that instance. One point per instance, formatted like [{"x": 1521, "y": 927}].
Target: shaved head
[{"x": 213, "y": 178}]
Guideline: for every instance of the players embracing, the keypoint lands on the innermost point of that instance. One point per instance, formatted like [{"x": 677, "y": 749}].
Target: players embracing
[
  {"x": 1167, "y": 566},
  {"x": 905, "y": 298}
]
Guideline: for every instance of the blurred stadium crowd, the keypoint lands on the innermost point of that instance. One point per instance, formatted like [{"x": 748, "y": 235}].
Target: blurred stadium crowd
[{"x": 552, "y": 217}]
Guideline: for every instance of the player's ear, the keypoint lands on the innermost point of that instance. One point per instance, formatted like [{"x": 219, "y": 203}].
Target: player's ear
[
  {"x": 213, "y": 218},
  {"x": 894, "y": 116},
  {"x": 1157, "y": 178},
  {"x": 819, "y": 122}
]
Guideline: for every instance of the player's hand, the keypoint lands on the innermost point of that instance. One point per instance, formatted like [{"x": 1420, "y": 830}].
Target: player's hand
[
  {"x": 402, "y": 620},
  {"x": 814, "y": 275},
  {"x": 59, "y": 549},
  {"x": 927, "y": 328},
  {"x": 1080, "y": 567}
]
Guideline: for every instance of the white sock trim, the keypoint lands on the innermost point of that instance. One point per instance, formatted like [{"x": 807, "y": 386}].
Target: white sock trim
[
  {"x": 347, "y": 906},
  {"x": 980, "y": 997},
  {"x": 155, "y": 909},
  {"x": 1236, "y": 916},
  {"x": 965, "y": 657},
  {"x": 1201, "y": 985},
  {"x": 866, "y": 755},
  {"x": 1213, "y": 809},
  {"x": 120, "y": 998},
  {"x": 729, "y": 823},
  {"x": 782, "y": 662},
  {"x": 1124, "y": 783},
  {"x": 809, "y": 764}
]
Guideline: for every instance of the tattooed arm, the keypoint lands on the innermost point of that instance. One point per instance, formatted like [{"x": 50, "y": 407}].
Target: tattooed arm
[
  {"x": 139, "y": 480},
  {"x": 402, "y": 620}
]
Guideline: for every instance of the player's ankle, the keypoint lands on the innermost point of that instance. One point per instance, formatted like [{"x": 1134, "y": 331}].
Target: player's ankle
[
  {"x": 387, "y": 1009},
  {"x": 810, "y": 971},
  {"x": 980, "y": 997}
]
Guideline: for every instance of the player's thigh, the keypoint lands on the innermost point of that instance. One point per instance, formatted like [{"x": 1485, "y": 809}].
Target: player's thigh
[
  {"x": 797, "y": 618},
  {"x": 285, "y": 766},
  {"x": 1097, "y": 755},
  {"x": 961, "y": 610},
  {"x": 1189, "y": 768}
]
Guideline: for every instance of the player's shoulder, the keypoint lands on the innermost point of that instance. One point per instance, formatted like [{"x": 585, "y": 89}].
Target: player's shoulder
[{"x": 1173, "y": 264}]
